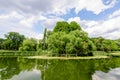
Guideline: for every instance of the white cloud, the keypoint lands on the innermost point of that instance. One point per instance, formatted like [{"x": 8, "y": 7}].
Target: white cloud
[
  {"x": 54, "y": 6},
  {"x": 79, "y": 21},
  {"x": 19, "y": 23},
  {"x": 96, "y": 6},
  {"x": 115, "y": 14},
  {"x": 51, "y": 22},
  {"x": 108, "y": 29},
  {"x": 22, "y": 15},
  {"x": 76, "y": 19},
  {"x": 32, "y": 34}
]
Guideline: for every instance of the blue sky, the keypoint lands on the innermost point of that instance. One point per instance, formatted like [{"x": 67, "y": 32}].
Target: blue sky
[{"x": 30, "y": 17}]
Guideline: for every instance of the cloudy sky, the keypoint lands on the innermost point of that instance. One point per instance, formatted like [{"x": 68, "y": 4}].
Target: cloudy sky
[{"x": 30, "y": 17}]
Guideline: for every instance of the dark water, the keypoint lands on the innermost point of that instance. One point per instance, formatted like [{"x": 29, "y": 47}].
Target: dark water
[{"x": 36, "y": 69}]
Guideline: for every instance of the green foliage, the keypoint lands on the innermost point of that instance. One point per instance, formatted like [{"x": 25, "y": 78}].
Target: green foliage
[
  {"x": 74, "y": 26},
  {"x": 76, "y": 42},
  {"x": 13, "y": 40},
  {"x": 66, "y": 27},
  {"x": 49, "y": 33},
  {"x": 118, "y": 44},
  {"x": 105, "y": 44},
  {"x": 98, "y": 42},
  {"x": 66, "y": 38},
  {"x": 54, "y": 42},
  {"x": 61, "y": 26},
  {"x": 1, "y": 43},
  {"x": 44, "y": 39},
  {"x": 109, "y": 45},
  {"x": 42, "y": 42},
  {"x": 7, "y": 44},
  {"x": 28, "y": 45}
]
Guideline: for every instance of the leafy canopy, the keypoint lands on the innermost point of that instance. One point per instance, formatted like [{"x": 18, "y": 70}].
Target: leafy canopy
[
  {"x": 66, "y": 27},
  {"x": 69, "y": 39}
]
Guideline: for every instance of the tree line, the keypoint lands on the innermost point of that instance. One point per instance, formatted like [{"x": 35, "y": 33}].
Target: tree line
[
  {"x": 16, "y": 41},
  {"x": 66, "y": 38}
]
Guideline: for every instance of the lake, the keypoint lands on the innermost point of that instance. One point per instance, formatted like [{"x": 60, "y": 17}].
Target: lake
[{"x": 38, "y": 69}]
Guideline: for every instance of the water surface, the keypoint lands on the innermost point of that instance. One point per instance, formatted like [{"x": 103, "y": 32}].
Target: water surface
[{"x": 37, "y": 69}]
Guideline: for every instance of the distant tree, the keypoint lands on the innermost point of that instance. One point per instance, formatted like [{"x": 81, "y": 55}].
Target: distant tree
[
  {"x": 7, "y": 44},
  {"x": 105, "y": 44},
  {"x": 28, "y": 45},
  {"x": 118, "y": 43},
  {"x": 98, "y": 43},
  {"x": 1, "y": 43},
  {"x": 15, "y": 38},
  {"x": 109, "y": 45},
  {"x": 41, "y": 45}
]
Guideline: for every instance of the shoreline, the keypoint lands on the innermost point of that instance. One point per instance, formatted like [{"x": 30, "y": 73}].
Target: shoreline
[{"x": 67, "y": 58}]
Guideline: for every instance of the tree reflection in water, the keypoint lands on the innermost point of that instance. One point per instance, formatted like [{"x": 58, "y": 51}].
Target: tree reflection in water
[{"x": 37, "y": 69}]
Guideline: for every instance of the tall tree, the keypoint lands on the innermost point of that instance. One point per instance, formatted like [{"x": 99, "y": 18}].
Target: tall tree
[
  {"x": 69, "y": 39},
  {"x": 44, "y": 39}
]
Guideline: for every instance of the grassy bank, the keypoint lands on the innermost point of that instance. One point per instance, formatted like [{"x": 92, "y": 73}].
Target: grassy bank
[
  {"x": 101, "y": 53},
  {"x": 115, "y": 54},
  {"x": 17, "y": 53},
  {"x": 46, "y": 57}
]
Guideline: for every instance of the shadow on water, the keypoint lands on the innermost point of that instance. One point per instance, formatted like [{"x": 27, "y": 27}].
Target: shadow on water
[{"x": 37, "y": 69}]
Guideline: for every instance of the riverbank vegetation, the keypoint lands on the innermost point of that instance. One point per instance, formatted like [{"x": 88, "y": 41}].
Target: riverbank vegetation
[{"x": 65, "y": 39}]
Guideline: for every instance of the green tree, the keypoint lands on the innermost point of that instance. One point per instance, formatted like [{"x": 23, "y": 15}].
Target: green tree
[
  {"x": 76, "y": 42},
  {"x": 42, "y": 44},
  {"x": 105, "y": 44},
  {"x": 55, "y": 43},
  {"x": 15, "y": 38},
  {"x": 7, "y": 44},
  {"x": 118, "y": 43},
  {"x": 28, "y": 45},
  {"x": 1, "y": 43},
  {"x": 98, "y": 43},
  {"x": 109, "y": 45},
  {"x": 74, "y": 26},
  {"x": 66, "y": 27},
  {"x": 61, "y": 26},
  {"x": 44, "y": 39},
  {"x": 49, "y": 32}
]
